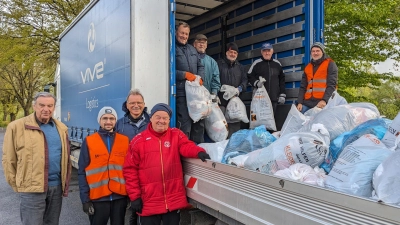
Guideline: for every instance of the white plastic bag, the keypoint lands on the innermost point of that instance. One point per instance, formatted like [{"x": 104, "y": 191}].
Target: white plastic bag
[
  {"x": 198, "y": 100},
  {"x": 261, "y": 112},
  {"x": 353, "y": 170},
  {"x": 308, "y": 148},
  {"x": 236, "y": 111},
  {"x": 238, "y": 160},
  {"x": 294, "y": 121},
  {"x": 335, "y": 100},
  {"x": 386, "y": 180},
  {"x": 215, "y": 150},
  {"x": 229, "y": 91},
  {"x": 392, "y": 132},
  {"x": 216, "y": 125},
  {"x": 303, "y": 173},
  {"x": 312, "y": 112}
]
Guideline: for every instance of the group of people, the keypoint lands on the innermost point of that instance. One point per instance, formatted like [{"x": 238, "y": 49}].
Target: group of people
[{"x": 136, "y": 160}]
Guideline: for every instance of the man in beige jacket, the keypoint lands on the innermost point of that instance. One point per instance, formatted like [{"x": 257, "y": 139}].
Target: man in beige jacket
[{"x": 36, "y": 162}]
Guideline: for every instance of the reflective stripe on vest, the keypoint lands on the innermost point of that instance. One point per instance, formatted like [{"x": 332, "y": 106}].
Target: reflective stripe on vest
[
  {"x": 104, "y": 173},
  {"x": 316, "y": 82}
]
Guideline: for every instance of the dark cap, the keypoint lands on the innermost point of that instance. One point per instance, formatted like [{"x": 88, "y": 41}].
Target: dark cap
[
  {"x": 161, "y": 107},
  {"x": 232, "y": 46},
  {"x": 266, "y": 46},
  {"x": 201, "y": 37}
]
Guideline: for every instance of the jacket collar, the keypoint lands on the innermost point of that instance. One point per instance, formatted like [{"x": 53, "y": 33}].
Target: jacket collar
[{"x": 106, "y": 133}]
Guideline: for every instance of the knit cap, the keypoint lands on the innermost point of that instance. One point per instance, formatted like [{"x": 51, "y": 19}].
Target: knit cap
[
  {"x": 106, "y": 110},
  {"x": 319, "y": 45},
  {"x": 161, "y": 107}
]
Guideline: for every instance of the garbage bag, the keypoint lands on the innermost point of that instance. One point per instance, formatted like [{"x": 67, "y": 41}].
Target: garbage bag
[
  {"x": 294, "y": 121},
  {"x": 307, "y": 147},
  {"x": 215, "y": 124},
  {"x": 392, "y": 132},
  {"x": 352, "y": 172},
  {"x": 261, "y": 112},
  {"x": 303, "y": 173},
  {"x": 312, "y": 112},
  {"x": 245, "y": 141},
  {"x": 229, "y": 91},
  {"x": 236, "y": 111},
  {"x": 386, "y": 180},
  {"x": 376, "y": 127},
  {"x": 335, "y": 100},
  {"x": 215, "y": 150},
  {"x": 340, "y": 119},
  {"x": 198, "y": 100}
]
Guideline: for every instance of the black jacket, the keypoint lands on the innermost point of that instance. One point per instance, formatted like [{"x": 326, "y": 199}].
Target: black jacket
[
  {"x": 187, "y": 60},
  {"x": 271, "y": 71},
  {"x": 232, "y": 74},
  {"x": 331, "y": 83}
]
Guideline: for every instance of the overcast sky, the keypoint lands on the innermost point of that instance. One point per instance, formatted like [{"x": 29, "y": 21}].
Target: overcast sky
[{"x": 387, "y": 66}]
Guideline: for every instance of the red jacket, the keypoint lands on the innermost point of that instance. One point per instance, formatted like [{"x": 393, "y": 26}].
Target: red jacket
[{"x": 153, "y": 169}]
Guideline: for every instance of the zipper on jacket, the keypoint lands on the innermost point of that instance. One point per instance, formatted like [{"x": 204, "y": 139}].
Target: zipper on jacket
[
  {"x": 269, "y": 77},
  {"x": 108, "y": 164},
  {"x": 162, "y": 172}
]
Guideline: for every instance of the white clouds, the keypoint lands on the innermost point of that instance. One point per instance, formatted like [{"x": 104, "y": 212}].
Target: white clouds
[{"x": 387, "y": 66}]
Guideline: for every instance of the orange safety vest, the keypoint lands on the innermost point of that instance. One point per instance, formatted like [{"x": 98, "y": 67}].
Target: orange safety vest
[
  {"x": 104, "y": 173},
  {"x": 316, "y": 82}
]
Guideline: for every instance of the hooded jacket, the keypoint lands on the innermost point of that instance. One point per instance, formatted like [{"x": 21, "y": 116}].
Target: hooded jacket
[
  {"x": 129, "y": 128},
  {"x": 331, "y": 82},
  {"x": 153, "y": 169}
]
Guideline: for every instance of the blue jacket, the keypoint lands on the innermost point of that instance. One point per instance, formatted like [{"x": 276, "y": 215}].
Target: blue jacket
[
  {"x": 211, "y": 78},
  {"x": 128, "y": 128},
  {"x": 84, "y": 161},
  {"x": 187, "y": 60}
]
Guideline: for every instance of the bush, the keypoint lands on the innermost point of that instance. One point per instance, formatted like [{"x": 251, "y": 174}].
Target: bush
[{"x": 4, "y": 123}]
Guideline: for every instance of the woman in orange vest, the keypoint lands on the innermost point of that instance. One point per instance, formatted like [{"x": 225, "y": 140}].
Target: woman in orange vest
[
  {"x": 319, "y": 80},
  {"x": 101, "y": 182}
]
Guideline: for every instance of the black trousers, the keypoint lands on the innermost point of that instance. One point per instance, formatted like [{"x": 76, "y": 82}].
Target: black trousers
[
  {"x": 169, "y": 218},
  {"x": 113, "y": 210},
  {"x": 194, "y": 131}
]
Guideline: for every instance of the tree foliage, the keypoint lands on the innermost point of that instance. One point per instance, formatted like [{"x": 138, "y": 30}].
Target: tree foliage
[{"x": 359, "y": 34}]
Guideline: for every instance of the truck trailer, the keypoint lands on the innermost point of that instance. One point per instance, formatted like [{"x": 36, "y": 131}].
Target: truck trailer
[{"x": 114, "y": 46}]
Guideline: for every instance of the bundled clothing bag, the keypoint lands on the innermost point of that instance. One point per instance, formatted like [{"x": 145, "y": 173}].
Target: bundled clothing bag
[
  {"x": 392, "y": 132},
  {"x": 198, "y": 100},
  {"x": 294, "y": 121},
  {"x": 261, "y": 112},
  {"x": 236, "y": 111},
  {"x": 216, "y": 125}
]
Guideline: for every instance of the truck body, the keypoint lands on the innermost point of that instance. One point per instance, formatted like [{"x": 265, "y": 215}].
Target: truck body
[{"x": 115, "y": 46}]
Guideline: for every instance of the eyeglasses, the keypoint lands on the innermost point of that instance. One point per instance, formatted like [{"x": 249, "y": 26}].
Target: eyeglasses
[
  {"x": 161, "y": 118},
  {"x": 135, "y": 103},
  {"x": 108, "y": 118}
]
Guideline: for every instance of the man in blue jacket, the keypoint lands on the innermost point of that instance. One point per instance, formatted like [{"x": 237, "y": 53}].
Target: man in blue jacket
[{"x": 188, "y": 65}]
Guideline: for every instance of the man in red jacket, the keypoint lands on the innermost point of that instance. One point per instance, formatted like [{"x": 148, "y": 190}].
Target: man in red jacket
[{"x": 153, "y": 169}]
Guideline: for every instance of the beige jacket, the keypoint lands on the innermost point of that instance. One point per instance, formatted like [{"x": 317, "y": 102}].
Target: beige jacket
[{"x": 25, "y": 156}]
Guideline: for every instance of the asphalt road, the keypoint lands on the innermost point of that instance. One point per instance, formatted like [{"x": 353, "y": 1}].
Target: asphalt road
[{"x": 71, "y": 213}]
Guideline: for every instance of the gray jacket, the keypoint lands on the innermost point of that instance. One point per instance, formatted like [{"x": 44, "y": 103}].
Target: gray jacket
[{"x": 187, "y": 60}]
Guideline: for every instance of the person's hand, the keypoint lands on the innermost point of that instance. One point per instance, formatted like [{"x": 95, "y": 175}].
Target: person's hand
[
  {"x": 190, "y": 76},
  {"x": 281, "y": 99},
  {"x": 238, "y": 90},
  {"x": 203, "y": 156},
  {"x": 88, "y": 208},
  {"x": 136, "y": 206},
  {"x": 201, "y": 82},
  {"x": 260, "y": 82},
  {"x": 299, "y": 107},
  {"x": 321, "y": 104},
  {"x": 215, "y": 98}
]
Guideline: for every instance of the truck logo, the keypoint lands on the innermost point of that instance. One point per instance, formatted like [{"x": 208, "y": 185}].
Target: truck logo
[
  {"x": 91, "y": 37},
  {"x": 97, "y": 70}
]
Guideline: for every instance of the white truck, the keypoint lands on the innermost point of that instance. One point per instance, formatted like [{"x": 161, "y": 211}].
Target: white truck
[{"x": 116, "y": 45}]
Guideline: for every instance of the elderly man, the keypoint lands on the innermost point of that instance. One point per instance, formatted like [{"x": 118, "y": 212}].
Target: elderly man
[
  {"x": 211, "y": 78},
  {"x": 101, "y": 182},
  {"x": 153, "y": 169},
  {"x": 188, "y": 65},
  {"x": 232, "y": 73},
  {"x": 36, "y": 162},
  {"x": 319, "y": 80},
  {"x": 272, "y": 76}
]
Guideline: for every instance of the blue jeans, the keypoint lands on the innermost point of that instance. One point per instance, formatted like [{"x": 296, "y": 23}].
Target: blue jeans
[
  {"x": 41, "y": 208},
  {"x": 305, "y": 109}
]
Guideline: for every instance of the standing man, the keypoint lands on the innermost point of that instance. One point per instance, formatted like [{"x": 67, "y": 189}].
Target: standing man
[
  {"x": 101, "y": 182},
  {"x": 134, "y": 121},
  {"x": 153, "y": 169},
  {"x": 272, "y": 76},
  {"x": 319, "y": 80},
  {"x": 187, "y": 66},
  {"x": 211, "y": 78},
  {"x": 231, "y": 73},
  {"x": 36, "y": 162}
]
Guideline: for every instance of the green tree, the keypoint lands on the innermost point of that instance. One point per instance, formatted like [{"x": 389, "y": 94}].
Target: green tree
[{"x": 359, "y": 34}]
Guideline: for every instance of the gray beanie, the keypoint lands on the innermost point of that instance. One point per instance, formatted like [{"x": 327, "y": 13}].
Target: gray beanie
[
  {"x": 319, "y": 45},
  {"x": 161, "y": 107},
  {"x": 106, "y": 110}
]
